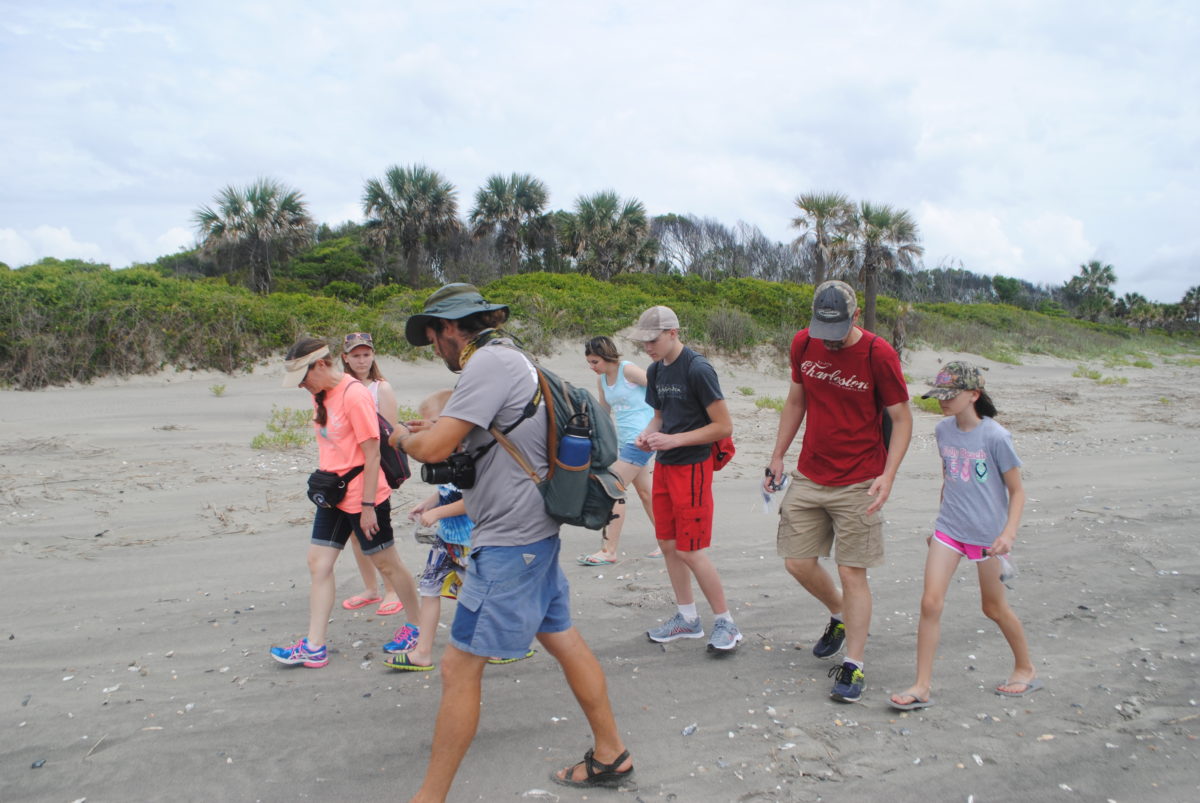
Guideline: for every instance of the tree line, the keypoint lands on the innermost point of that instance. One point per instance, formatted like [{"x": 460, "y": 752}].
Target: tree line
[{"x": 414, "y": 234}]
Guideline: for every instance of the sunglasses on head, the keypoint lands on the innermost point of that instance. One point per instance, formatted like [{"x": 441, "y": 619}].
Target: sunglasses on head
[{"x": 363, "y": 336}]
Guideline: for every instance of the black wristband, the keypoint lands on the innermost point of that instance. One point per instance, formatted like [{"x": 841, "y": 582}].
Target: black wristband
[{"x": 368, "y": 504}]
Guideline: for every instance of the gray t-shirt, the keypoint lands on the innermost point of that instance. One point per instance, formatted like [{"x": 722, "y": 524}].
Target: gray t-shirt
[
  {"x": 974, "y": 498},
  {"x": 505, "y": 505}
]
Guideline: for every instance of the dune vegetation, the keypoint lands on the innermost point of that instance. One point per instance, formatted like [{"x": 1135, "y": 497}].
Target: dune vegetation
[{"x": 63, "y": 322}]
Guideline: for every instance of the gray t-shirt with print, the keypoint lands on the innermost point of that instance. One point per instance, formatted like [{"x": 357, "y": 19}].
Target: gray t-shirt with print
[
  {"x": 505, "y": 505},
  {"x": 974, "y": 498}
]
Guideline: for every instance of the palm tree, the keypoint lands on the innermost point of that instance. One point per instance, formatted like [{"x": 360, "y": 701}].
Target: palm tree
[
  {"x": 510, "y": 208},
  {"x": 886, "y": 239},
  {"x": 607, "y": 236},
  {"x": 262, "y": 223},
  {"x": 1093, "y": 285},
  {"x": 1191, "y": 304},
  {"x": 826, "y": 219},
  {"x": 412, "y": 209},
  {"x": 1126, "y": 304}
]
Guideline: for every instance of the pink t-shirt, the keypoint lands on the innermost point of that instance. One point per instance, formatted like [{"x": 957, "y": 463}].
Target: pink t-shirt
[{"x": 350, "y": 421}]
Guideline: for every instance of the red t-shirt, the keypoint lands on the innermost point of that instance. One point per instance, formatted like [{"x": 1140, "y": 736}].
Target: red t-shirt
[
  {"x": 350, "y": 421},
  {"x": 845, "y": 392}
]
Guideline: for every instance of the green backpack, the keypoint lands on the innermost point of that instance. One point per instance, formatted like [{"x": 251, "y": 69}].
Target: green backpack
[{"x": 582, "y": 496}]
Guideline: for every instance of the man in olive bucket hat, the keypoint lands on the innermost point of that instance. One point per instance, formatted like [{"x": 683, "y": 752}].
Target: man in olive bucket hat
[{"x": 514, "y": 588}]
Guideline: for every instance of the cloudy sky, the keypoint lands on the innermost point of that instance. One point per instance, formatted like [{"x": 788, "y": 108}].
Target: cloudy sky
[{"x": 1026, "y": 137}]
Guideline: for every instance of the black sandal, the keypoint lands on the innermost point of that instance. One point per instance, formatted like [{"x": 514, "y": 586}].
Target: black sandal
[{"x": 597, "y": 774}]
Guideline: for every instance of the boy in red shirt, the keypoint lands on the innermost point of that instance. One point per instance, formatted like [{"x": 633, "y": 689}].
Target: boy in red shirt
[{"x": 843, "y": 378}]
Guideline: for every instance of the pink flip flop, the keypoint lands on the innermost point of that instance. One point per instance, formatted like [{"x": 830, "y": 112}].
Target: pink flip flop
[
  {"x": 388, "y": 608},
  {"x": 358, "y": 601}
]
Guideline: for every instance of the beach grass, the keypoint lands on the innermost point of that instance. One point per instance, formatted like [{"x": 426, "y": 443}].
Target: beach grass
[{"x": 287, "y": 428}]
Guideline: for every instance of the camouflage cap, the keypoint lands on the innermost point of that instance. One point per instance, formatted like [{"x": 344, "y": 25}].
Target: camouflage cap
[{"x": 954, "y": 378}]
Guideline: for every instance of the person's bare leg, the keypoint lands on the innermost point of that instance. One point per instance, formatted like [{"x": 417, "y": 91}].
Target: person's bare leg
[
  {"x": 431, "y": 610},
  {"x": 457, "y": 721},
  {"x": 816, "y": 581},
  {"x": 586, "y": 678},
  {"x": 610, "y": 536},
  {"x": 399, "y": 578},
  {"x": 642, "y": 483},
  {"x": 940, "y": 565},
  {"x": 705, "y": 572},
  {"x": 996, "y": 608},
  {"x": 678, "y": 571},
  {"x": 610, "y": 539},
  {"x": 856, "y": 610},
  {"x": 366, "y": 570},
  {"x": 320, "y": 596}
]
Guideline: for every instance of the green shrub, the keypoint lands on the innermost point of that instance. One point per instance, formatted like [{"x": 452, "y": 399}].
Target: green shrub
[
  {"x": 746, "y": 390},
  {"x": 1083, "y": 372},
  {"x": 1142, "y": 363},
  {"x": 287, "y": 428},
  {"x": 928, "y": 405},
  {"x": 1000, "y": 352},
  {"x": 769, "y": 403},
  {"x": 217, "y": 390},
  {"x": 1113, "y": 380},
  {"x": 730, "y": 329}
]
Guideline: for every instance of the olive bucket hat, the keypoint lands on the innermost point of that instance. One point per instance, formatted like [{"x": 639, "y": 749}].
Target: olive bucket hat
[{"x": 450, "y": 303}]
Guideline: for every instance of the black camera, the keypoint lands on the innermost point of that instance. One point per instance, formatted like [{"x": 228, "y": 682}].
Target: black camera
[{"x": 458, "y": 469}]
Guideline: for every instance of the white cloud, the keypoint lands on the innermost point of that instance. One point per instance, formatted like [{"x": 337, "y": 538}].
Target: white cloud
[
  {"x": 1026, "y": 137},
  {"x": 19, "y": 248}
]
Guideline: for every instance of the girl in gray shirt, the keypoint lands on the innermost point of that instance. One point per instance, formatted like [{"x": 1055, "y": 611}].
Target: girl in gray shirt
[{"x": 982, "y": 499}]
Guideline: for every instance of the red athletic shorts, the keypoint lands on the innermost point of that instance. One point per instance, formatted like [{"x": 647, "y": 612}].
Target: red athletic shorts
[{"x": 683, "y": 504}]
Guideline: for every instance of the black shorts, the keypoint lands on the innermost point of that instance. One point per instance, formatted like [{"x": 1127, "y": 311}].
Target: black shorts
[{"x": 332, "y": 528}]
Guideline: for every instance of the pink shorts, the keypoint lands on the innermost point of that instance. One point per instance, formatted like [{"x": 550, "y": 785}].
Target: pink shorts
[{"x": 969, "y": 551}]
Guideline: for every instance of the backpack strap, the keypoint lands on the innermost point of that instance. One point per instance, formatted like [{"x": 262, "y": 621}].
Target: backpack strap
[{"x": 541, "y": 393}]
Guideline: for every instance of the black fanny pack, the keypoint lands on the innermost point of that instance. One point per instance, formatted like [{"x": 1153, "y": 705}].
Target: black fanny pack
[{"x": 326, "y": 489}]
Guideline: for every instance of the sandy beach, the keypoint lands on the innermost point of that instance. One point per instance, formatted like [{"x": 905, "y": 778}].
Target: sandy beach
[{"x": 149, "y": 558}]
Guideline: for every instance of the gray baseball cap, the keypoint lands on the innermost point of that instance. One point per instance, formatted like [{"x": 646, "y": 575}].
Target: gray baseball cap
[
  {"x": 833, "y": 311},
  {"x": 653, "y": 322},
  {"x": 450, "y": 303}
]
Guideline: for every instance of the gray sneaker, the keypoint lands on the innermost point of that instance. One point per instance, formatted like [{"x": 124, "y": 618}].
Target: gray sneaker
[
  {"x": 676, "y": 627},
  {"x": 725, "y": 636}
]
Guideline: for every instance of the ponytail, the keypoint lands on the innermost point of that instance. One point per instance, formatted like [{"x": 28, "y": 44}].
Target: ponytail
[{"x": 984, "y": 407}]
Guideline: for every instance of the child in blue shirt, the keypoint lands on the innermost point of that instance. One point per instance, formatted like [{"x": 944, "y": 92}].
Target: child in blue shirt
[{"x": 443, "y": 523}]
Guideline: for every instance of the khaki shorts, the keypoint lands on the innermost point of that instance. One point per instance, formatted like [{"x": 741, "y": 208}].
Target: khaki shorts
[{"x": 814, "y": 518}]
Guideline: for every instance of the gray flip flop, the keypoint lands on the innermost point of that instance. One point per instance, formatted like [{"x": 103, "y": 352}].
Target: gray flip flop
[
  {"x": 914, "y": 705},
  {"x": 1030, "y": 688}
]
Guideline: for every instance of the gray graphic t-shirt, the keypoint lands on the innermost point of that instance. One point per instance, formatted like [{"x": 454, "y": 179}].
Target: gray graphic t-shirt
[
  {"x": 974, "y": 499},
  {"x": 505, "y": 505}
]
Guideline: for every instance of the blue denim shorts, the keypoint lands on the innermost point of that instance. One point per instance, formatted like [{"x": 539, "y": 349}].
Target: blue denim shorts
[
  {"x": 631, "y": 454},
  {"x": 510, "y": 594},
  {"x": 332, "y": 527}
]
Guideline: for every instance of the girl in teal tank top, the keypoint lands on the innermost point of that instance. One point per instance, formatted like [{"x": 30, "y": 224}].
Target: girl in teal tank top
[{"x": 621, "y": 389}]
